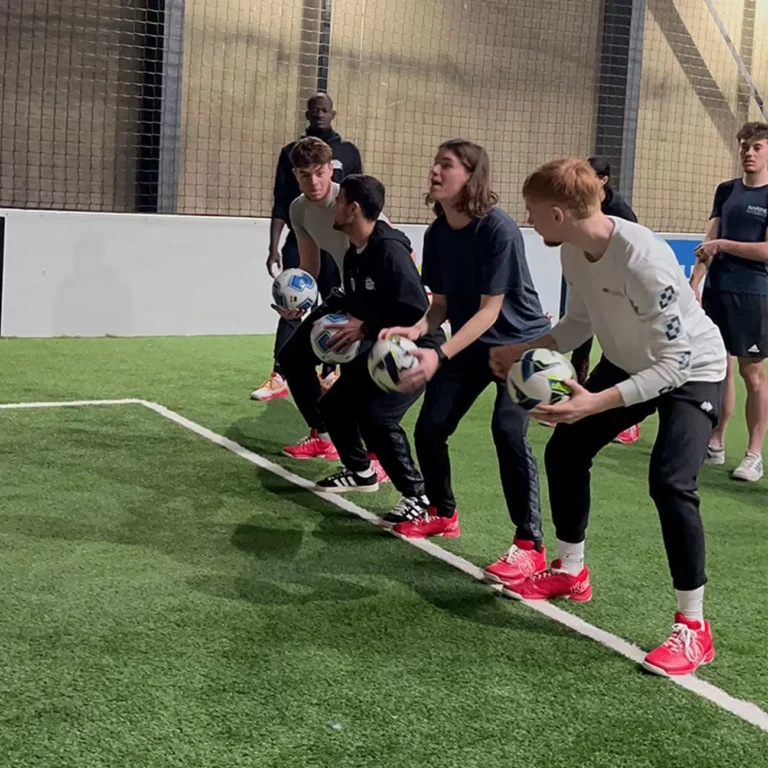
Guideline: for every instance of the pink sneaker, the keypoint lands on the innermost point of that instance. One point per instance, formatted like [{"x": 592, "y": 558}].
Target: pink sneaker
[
  {"x": 520, "y": 562},
  {"x": 312, "y": 447},
  {"x": 430, "y": 525},
  {"x": 628, "y": 436},
  {"x": 684, "y": 651},
  {"x": 381, "y": 474},
  {"x": 552, "y": 583}
]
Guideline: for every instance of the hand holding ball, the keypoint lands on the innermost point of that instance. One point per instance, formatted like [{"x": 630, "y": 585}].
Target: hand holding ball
[
  {"x": 388, "y": 359},
  {"x": 294, "y": 290},
  {"x": 322, "y": 340}
]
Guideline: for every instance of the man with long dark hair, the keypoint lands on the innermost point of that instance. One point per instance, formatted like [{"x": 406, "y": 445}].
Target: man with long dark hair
[{"x": 474, "y": 263}]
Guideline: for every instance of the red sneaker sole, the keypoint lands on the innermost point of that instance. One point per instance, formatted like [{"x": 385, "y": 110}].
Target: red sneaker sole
[
  {"x": 584, "y": 598},
  {"x": 708, "y": 659},
  {"x": 327, "y": 456},
  {"x": 444, "y": 535}
]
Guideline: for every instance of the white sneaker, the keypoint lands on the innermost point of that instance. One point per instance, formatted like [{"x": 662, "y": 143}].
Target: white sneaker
[
  {"x": 273, "y": 388},
  {"x": 750, "y": 470},
  {"x": 715, "y": 456}
]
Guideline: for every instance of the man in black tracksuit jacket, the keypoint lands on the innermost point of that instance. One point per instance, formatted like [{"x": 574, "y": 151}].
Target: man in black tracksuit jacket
[
  {"x": 346, "y": 160},
  {"x": 382, "y": 289}
]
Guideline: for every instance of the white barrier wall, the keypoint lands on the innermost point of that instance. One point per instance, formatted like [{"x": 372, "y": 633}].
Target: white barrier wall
[{"x": 94, "y": 274}]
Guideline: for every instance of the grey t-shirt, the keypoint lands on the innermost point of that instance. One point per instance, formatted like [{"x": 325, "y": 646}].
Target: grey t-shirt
[{"x": 314, "y": 221}]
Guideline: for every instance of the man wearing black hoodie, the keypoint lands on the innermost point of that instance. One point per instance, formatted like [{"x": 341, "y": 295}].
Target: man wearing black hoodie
[
  {"x": 346, "y": 160},
  {"x": 382, "y": 289}
]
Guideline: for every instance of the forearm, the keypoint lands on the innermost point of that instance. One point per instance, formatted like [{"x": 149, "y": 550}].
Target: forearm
[
  {"x": 275, "y": 230},
  {"x": 477, "y": 325},
  {"x": 699, "y": 273},
  {"x": 751, "y": 251}
]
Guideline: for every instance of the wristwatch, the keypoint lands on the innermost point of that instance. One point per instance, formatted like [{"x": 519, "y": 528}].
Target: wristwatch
[{"x": 441, "y": 357}]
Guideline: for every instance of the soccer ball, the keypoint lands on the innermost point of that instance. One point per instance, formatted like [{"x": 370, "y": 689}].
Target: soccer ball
[
  {"x": 294, "y": 289},
  {"x": 537, "y": 378},
  {"x": 322, "y": 340},
  {"x": 388, "y": 359}
]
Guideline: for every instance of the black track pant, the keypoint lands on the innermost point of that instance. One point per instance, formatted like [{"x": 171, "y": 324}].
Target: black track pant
[
  {"x": 686, "y": 418},
  {"x": 327, "y": 280},
  {"x": 448, "y": 397},
  {"x": 356, "y": 410}
]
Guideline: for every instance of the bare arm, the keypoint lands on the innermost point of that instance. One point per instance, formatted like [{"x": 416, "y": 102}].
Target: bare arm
[
  {"x": 309, "y": 257},
  {"x": 477, "y": 325},
  {"x": 751, "y": 251},
  {"x": 701, "y": 267}
]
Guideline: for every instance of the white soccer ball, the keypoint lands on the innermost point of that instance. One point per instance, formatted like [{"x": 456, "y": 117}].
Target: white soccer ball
[
  {"x": 294, "y": 289},
  {"x": 537, "y": 378},
  {"x": 388, "y": 359},
  {"x": 322, "y": 340}
]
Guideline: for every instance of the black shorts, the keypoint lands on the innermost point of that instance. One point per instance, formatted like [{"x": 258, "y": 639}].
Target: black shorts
[{"x": 742, "y": 319}]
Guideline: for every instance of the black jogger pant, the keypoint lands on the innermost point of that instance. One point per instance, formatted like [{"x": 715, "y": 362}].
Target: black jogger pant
[
  {"x": 327, "y": 280},
  {"x": 356, "y": 410},
  {"x": 449, "y": 395},
  {"x": 686, "y": 418}
]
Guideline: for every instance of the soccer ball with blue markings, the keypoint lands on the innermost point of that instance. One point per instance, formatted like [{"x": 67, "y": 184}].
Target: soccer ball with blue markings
[
  {"x": 321, "y": 339},
  {"x": 294, "y": 289},
  {"x": 538, "y": 378}
]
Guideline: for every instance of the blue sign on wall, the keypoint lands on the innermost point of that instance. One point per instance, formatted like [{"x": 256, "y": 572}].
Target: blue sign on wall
[{"x": 684, "y": 251}]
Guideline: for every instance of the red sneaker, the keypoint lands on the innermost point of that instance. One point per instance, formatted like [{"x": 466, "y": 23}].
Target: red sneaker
[
  {"x": 684, "y": 651},
  {"x": 628, "y": 436},
  {"x": 520, "y": 562},
  {"x": 430, "y": 525},
  {"x": 312, "y": 447},
  {"x": 554, "y": 582},
  {"x": 381, "y": 474}
]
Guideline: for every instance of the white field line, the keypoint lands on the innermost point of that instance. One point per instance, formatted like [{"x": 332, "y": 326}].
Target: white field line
[{"x": 744, "y": 710}]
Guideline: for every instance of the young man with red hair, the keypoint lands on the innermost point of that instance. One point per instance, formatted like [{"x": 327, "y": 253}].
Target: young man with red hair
[{"x": 662, "y": 354}]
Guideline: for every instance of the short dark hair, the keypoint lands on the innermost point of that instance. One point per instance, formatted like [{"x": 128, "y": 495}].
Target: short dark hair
[
  {"x": 317, "y": 96},
  {"x": 310, "y": 151},
  {"x": 751, "y": 132},
  {"x": 367, "y": 191},
  {"x": 601, "y": 166}
]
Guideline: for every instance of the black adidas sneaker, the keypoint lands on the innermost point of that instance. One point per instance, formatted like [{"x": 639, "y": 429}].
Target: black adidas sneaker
[
  {"x": 408, "y": 510},
  {"x": 346, "y": 481}
]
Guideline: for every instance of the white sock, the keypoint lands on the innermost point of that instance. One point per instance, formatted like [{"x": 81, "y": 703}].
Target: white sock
[
  {"x": 324, "y": 436},
  {"x": 367, "y": 472},
  {"x": 571, "y": 556},
  {"x": 691, "y": 603}
]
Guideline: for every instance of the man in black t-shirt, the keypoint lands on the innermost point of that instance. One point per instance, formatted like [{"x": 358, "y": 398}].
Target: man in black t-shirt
[
  {"x": 346, "y": 160},
  {"x": 474, "y": 263},
  {"x": 613, "y": 204},
  {"x": 735, "y": 296}
]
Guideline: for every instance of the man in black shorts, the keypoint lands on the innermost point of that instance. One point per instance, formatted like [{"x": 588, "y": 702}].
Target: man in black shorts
[
  {"x": 346, "y": 160},
  {"x": 613, "y": 204},
  {"x": 734, "y": 256}
]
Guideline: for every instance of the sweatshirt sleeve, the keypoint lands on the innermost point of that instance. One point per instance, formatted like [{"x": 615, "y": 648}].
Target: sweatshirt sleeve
[
  {"x": 401, "y": 298},
  {"x": 654, "y": 293},
  {"x": 575, "y": 326}
]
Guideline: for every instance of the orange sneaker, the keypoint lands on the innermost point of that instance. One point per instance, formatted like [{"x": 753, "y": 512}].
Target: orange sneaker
[
  {"x": 274, "y": 388},
  {"x": 684, "y": 651},
  {"x": 312, "y": 447}
]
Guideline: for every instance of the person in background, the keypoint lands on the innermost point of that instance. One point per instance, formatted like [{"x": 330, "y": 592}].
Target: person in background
[
  {"x": 612, "y": 204},
  {"x": 346, "y": 160},
  {"x": 735, "y": 251}
]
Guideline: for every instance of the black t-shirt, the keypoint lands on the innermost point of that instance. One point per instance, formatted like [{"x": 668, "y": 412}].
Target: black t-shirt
[
  {"x": 615, "y": 205},
  {"x": 743, "y": 214},
  {"x": 487, "y": 257}
]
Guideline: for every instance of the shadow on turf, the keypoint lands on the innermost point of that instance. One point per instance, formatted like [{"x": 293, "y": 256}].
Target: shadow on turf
[
  {"x": 277, "y": 424},
  {"x": 353, "y": 552}
]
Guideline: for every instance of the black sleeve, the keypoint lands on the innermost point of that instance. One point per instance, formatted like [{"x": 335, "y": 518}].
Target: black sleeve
[
  {"x": 722, "y": 193},
  {"x": 430, "y": 264},
  {"x": 286, "y": 188},
  {"x": 400, "y": 298},
  {"x": 357, "y": 161},
  {"x": 623, "y": 211}
]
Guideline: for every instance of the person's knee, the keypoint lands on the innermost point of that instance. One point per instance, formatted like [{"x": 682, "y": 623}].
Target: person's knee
[
  {"x": 429, "y": 430},
  {"x": 561, "y": 451},
  {"x": 753, "y": 373},
  {"x": 509, "y": 426},
  {"x": 666, "y": 481}
]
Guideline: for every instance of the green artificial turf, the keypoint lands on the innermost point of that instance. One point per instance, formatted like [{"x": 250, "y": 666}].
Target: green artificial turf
[{"x": 166, "y": 603}]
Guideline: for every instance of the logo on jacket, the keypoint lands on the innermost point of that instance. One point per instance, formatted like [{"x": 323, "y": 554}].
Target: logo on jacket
[{"x": 369, "y": 284}]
